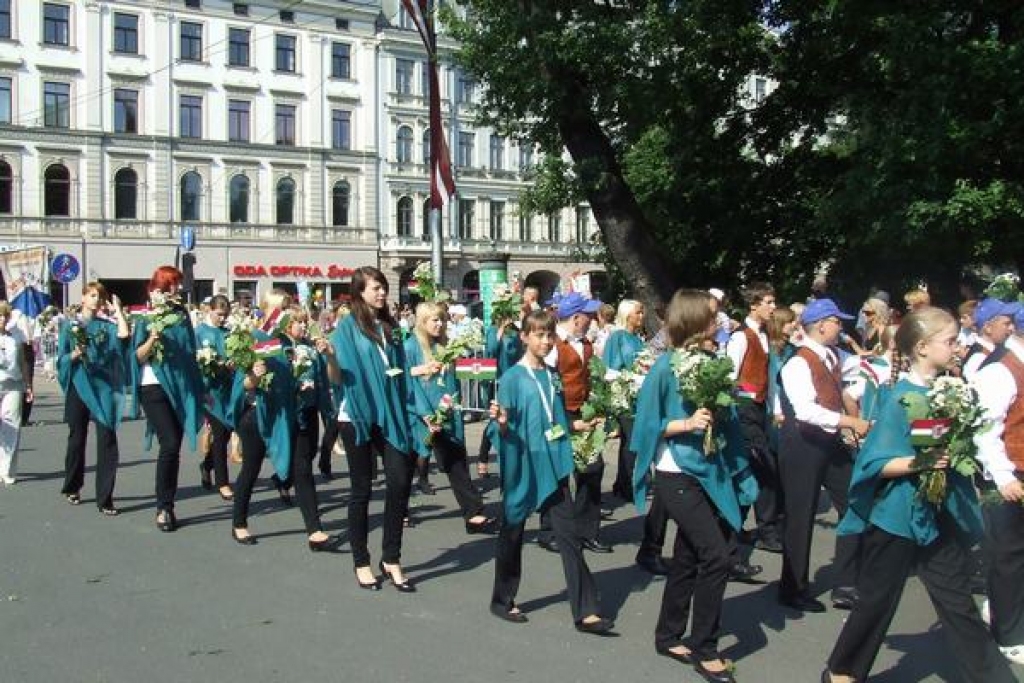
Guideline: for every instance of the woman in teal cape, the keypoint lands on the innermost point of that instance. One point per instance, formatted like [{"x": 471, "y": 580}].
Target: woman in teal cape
[
  {"x": 502, "y": 343},
  {"x": 901, "y": 531},
  {"x": 93, "y": 377},
  {"x": 621, "y": 348},
  {"x": 312, "y": 362},
  {"x": 373, "y": 417},
  {"x": 429, "y": 384},
  {"x": 223, "y": 399},
  {"x": 168, "y": 386}
]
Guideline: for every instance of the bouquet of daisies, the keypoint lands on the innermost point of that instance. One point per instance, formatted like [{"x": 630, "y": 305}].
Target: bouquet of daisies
[
  {"x": 302, "y": 363},
  {"x": 587, "y": 447},
  {"x": 943, "y": 421},
  {"x": 625, "y": 386},
  {"x": 239, "y": 346},
  {"x": 705, "y": 381},
  {"x": 424, "y": 285},
  {"x": 468, "y": 339},
  {"x": 506, "y": 304},
  {"x": 163, "y": 312},
  {"x": 210, "y": 363}
]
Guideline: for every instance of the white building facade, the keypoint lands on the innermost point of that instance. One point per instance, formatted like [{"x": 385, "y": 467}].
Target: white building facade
[{"x": 289, "y": 136}]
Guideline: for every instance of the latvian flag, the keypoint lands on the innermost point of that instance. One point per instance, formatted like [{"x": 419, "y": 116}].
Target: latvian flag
[
  {"x": 746, "y": 391},
  {"x": 139, "y": 311},
  {"x": 268, "y": 349},
  {"x": 476, "y": 368},
  {"x": 276, "y": 320},
  {"x": 929, "y": 433}
]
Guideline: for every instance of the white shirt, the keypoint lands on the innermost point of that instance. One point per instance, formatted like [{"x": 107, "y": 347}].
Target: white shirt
[
  {"x": 736, "y": 348},
  {"x": 11, "y": 352},
  {"x": 666, "y": 463},
  {"x": 973, "y": 363},
  {"x": 997, "y": 391},
  {"x": 551, "y": 360},
  {"x": 799, "y": 387}
]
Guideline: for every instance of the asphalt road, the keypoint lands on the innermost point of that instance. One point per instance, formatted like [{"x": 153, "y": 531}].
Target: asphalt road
[{"x": 90, "y": 599}]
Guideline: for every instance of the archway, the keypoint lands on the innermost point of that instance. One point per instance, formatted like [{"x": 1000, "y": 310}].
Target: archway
[{"x": 545, "y": 281}]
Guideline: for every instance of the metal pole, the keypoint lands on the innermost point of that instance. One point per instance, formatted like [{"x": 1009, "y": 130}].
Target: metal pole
[{"x": 436, "y": 247}]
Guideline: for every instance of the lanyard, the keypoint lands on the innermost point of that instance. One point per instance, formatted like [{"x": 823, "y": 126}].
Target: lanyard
[{"x": 548, "y": 401}]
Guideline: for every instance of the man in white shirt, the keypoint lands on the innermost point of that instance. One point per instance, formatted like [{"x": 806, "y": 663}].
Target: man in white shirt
[
  {"x": 1000, "y": 386},
  {"x": 812, "y": 454},
  {"x": 993, "y": 319}
]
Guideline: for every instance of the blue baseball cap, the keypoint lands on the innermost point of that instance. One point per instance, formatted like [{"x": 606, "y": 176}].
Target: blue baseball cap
[
  {"x": 573, "y": 303},
  {"x": 819, "y": 309},
  {"x": 993, "y": 308}
]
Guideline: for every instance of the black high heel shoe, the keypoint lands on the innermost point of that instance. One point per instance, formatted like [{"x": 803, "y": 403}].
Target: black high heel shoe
[
  {"x": 484, "y": 527},
  {"x": 243, "y": 540},
  {"x": 375, "y": 586},
  {"x": 282, "y": 490},
  {"x": 167, "y": 523},
  {"x": 404, "y": 587},
  {"x": 320, "y": 546}
]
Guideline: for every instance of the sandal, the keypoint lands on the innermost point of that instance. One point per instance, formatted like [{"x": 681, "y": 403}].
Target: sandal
[
  {"x": 73, "y": 498},
  {"x": 109, "y": 511}
]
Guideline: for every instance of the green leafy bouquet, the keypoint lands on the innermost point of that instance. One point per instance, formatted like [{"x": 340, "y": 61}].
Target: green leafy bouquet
[
  {"x": 587, "y": 447},
  {"x": 239, "y": 343},
  {"x": 506, "y": 304},
  {"x": 625, "y": 386},
  {"x": 425, "y": 285},
  {"x": 469, "y": 339},
  {"x": 943, "y": 422},
  {"x": 210, "y": 363},
  {"x": 705, "y": 381},
  {"x": 165, "y": 312}
]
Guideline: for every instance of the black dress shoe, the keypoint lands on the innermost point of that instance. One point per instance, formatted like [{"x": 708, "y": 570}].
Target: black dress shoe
[
  {"x": 769, "y": 544},
  {"x": 243, "y": 540},
  {"x": 484, "y": 527},
  {"x": 802, "y": 603},
  {"x": 601, "y": 627},
  {"x": 745, "y": 573},
  {"x": 844, "y": 597},
  {"x": 327, "y": 474},
  {"x": 166, "y": 522},
  {"x": 723, "y": 676},
  {"x": 507, "y": 614},
  {"x": 678, "y": 656},
  {"x": 655, "y": 564},
  {"x": 109, "y": 510},
  {"x": 282, "y": 490},
  {"x": 374, "y": 586},
  {"x": 321, "y": 546},
  {"x": 426, "y": 488},
  {"x": 404, "y": 587},
  {"x": 549, "y": 544},
  {"x": 596, "y": 546}
]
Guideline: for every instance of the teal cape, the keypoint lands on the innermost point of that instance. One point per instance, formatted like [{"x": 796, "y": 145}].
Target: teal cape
[
  {"x": 424, "y": 395},
  {"x": 873, "y": 399},
  {"x": 312, "y": 387},
  {"x": 726, "y": 476},
  {"x": 893, "y": 504},
  {"x": 371, "y": 396},
  {"x": 224, "y": 393},
  {"x": 531, "y": 466},
  {"x": 621, "y": 349},
  {"x": 100, "y": 381},
  {"x": 179, "y": 374},
  {"x": 507, "y": 350},
  {"x": 775, "y": 362},
  {"x": 275, "y": 409}
]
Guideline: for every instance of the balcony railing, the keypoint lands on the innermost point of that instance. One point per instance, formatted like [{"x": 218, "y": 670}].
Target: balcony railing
[
  {"x": 28, "y": 228},
  {"x": 546, "y": 250}
]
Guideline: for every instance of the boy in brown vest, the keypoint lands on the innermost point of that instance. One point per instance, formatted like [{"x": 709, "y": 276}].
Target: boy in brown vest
[
  {"x": 811, "y": 453},
  {"x": 1000, "y": 386},
  {"x": 570, "y": 358},
  {"x": 748, "y": 349}
]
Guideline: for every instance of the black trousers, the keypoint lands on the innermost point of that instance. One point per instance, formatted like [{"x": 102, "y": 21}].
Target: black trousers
[
  {"x": 398, "y": 471},
  {"x": 942, "y": 567},
  {"x": 808, "y": 459},
  {"x": 300, "y": 472},
  {"x": 655, "y": 528},
  {"x": 30, "y": 359},
  {"x": 107, "y": 455},
  {"x": 327, "y": 445},
  {"x": 169, "y": 432},
  {"x": 627, "y": 458},
  {"x": 508, "y": 557},
  {"x": 452, "y": 460},
  {"x": 764, "y": 464},
  {"x": 254, "y": 450},
  {"x": 699, "y": 570},
  {"x": 1004, "y": 523},
  {"x": 216, "y": 459}
]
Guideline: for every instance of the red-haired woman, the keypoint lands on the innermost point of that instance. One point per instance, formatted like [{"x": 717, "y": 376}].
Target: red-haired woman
[
  {"x": 373, "y": 416},
  {"x": 168, "y": 384}
]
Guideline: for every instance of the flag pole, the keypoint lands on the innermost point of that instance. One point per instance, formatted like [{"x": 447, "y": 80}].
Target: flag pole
[{"x": 436, "y": 245}]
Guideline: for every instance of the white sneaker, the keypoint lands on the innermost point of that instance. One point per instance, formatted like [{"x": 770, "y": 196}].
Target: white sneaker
[
  {"x": 1015, "y": 653},
  {"x": 986, "y": 613}
]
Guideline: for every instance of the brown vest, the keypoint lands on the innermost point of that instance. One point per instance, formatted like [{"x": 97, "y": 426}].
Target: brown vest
[
  {"x": 1013, "y": 428},
  {"x": 827, "y": 383},
  {"x": 574, "y": 373},
  {"x": 753, "y": 373}
]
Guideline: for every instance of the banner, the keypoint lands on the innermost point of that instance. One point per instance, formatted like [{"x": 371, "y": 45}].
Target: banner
[{"x": 26, "y": 274}]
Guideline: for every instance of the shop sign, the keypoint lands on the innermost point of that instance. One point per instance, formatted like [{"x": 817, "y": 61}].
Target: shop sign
[{"x": 331, "y": 272}]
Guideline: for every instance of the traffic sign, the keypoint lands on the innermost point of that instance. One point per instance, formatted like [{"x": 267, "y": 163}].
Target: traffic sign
[
  {"x": 65, "y": 268},
  {"x": 188, "y": 238}
]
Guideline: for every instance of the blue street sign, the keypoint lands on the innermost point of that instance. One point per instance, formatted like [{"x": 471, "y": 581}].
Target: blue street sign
[
  {"x": 65, "y": 268},
  {"x": 188, "y": 238}
]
